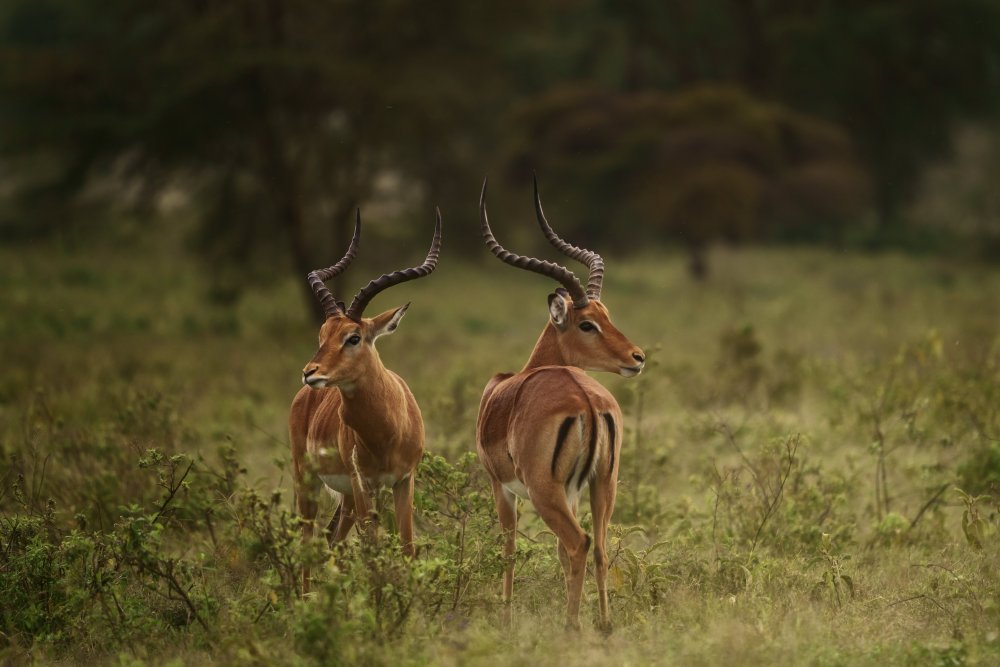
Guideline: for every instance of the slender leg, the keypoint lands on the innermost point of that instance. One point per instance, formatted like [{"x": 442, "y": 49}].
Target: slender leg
[
  {"x": 602, "y": 504},
  {"x": 305, "y": 501},
  {"x": 362, "y": 499},
  {"x": 563, "y": 557},
  {"x": 552, "y": 507},
  {"x": 304, "y": 481},
  {"x": 402, "y": 495},
  {"x": 332, "y": 526},
  {"x": 563, "y": 554},
  {"x": 506, "y": 504},
  {"x": 345, "y": 517}
]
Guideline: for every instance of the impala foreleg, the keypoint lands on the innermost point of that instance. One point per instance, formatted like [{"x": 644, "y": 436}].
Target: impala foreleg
[
  {"x": 306, "y": 490},
  {"x": 362, "y": 499},
  {"x": 552, "y": 506},
  {"x": 402, "y": 496}
]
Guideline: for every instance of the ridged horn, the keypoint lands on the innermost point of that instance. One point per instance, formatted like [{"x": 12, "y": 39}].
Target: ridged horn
[
  {"x": 387, "y": 280},
  {"x": 317, "y": 278},
  {"x": 560, "y": 274},
  {"x": 591, "y": 259}
]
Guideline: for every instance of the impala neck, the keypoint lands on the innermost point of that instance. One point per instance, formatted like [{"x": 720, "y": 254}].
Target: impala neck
[
  {"x": 546, "y": 352},
  {"x": 370, "y": 404}
]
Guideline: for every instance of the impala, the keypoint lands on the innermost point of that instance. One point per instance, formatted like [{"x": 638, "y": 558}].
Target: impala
[
  {"x": 355, "y": 425},
  {"x": 548, "y": 431}
]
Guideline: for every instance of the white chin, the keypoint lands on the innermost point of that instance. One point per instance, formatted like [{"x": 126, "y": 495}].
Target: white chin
[
  {"x": 318, "y": 384},
  {"x": 628, "y": 372}
]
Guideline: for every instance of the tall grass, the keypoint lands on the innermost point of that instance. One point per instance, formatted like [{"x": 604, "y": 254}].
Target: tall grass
[{"x": 810, "y": 472}]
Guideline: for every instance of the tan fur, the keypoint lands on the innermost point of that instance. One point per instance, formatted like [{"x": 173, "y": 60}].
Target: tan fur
[
  {"x": 520, "y": 417},
  {"x": 365, "y": 424}
]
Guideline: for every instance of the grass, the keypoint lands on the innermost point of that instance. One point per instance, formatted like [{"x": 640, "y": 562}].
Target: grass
[{"x": 789, "y": 484}]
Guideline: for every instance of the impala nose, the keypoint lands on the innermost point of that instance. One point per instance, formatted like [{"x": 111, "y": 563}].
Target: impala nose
[
  {"x": 638, "y": 357},
  {"x": 308, "y": 372}
]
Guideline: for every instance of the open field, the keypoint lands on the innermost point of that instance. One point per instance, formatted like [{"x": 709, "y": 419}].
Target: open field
[{"x": 790, "y": 478}]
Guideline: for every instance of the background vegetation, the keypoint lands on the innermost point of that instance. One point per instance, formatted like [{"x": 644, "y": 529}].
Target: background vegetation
[
  {"x": 269, "y": 121},
  {"x": 810, "y": 471},
  {"x": 812, "y": 458}
]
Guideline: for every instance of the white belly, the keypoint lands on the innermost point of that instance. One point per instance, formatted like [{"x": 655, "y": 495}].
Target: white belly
[
  {"x": 521, "y": 491},
  {"x": 517, "y": 488},
  {"x": 342, "y": 483}
]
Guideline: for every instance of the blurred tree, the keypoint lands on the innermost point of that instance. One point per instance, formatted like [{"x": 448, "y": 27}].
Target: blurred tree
[
  {"x": 896, "y": 75},
  {"x": 280, "y": 115},
  {"x": 959, "y": 195},
  {"x": 708, "y": 164}
]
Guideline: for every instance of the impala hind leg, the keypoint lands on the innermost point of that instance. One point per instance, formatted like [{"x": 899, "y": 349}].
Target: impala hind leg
[
  {"x": 402, "y": 496},
  {"x": 602, "y": 504},
  {"x": 552, "y": 507},
  {"x": 506, "y": 504},
  {"x": 561, "y": 549}
]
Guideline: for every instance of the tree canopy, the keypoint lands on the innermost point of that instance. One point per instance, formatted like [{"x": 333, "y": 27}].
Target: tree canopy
[{"x": 717, "y": 119}]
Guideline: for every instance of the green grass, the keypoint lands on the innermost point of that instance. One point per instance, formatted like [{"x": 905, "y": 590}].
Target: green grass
[{"x": 789, "y": 479}]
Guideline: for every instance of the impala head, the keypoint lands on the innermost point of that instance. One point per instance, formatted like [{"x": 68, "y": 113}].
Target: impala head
[
  {"x": 587, "y": 338},
  {"x": 346, "y": 338},
  {"x": 585, "y": 335}
]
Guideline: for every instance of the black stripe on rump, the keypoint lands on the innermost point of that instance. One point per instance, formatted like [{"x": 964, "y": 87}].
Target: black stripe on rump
[
  {"x": 590, "y": 451},
  {"x": 560, "y": 439},
  {"x": 611, "y": 434}
]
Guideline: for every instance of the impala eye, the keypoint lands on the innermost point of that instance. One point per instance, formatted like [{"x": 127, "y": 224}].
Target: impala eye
[
  {"x": 354, "y": 339},
  {"x": 587, "y": 326}
]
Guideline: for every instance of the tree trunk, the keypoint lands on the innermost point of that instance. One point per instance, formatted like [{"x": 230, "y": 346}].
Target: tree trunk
[
  {"x": 756, "y": 56},
  {"x": 698, "y": 261},
  {"x": 282, "y": 180},
  {"x": 279, "y": 174}
]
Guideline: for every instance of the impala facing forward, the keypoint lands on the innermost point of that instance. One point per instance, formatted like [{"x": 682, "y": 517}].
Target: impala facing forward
[
  {"x": 546, "y": 432},
  {"x": 355, "y": 424}
]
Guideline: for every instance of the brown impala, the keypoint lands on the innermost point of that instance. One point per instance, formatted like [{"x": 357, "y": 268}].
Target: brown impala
[
  {"x": 546, "y": 432},
  {"x": 355, "y": 425}
]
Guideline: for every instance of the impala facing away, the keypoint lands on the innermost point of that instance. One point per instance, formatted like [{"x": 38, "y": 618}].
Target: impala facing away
[
  {"x": 546, "y": 432},
  {"x": 355, "y": 424}
]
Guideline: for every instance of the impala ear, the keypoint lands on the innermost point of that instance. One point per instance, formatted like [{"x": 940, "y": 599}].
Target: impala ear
[
  {"x": 386, "y": 323},
  {"x": 558, "y": 311}
]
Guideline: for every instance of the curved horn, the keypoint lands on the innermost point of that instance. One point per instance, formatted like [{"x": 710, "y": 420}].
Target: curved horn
[
  {"x": 387, "y": 280},
  {"x": 593, "y": 261},
  {"x": 558, "y": 273},
  {"x": 319, "y": 276}
]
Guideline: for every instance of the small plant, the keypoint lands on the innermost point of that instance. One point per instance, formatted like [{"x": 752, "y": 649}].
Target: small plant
[
  {"x": 834, "y": 582},
  {"x": 769, "y": 475},
  {"x": 740, "y": 362},
  {"x": 270, "y": 536},
  {"x": 892, "y": 528},
  {"x": 979, "y": 529},
  {"x": 639, "y": 578},
  {"x": 456, "y": 512}
]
